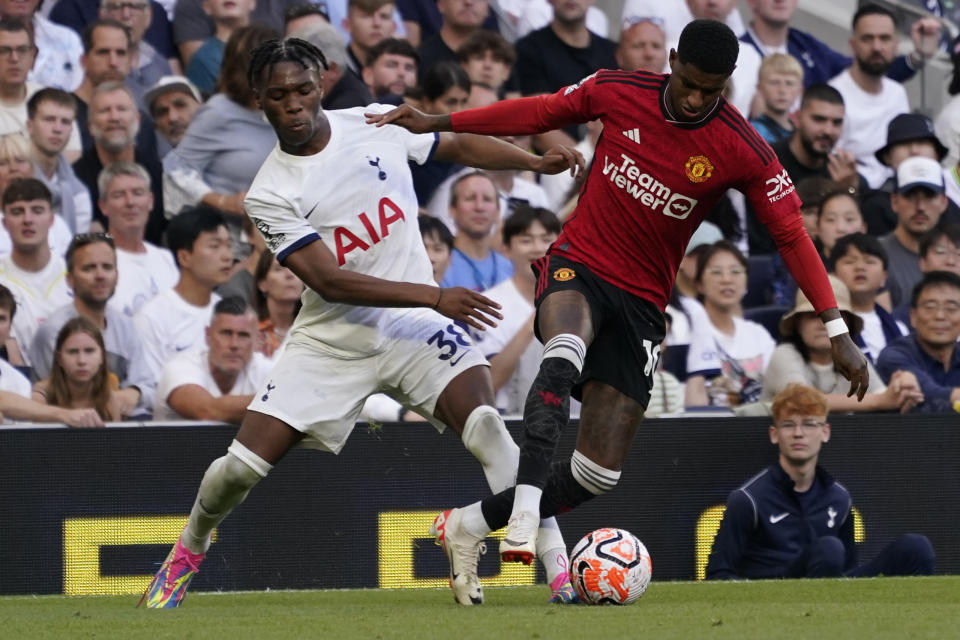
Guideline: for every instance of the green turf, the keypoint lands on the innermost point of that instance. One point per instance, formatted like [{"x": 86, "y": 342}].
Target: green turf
[{"x": 867, "y": 608}]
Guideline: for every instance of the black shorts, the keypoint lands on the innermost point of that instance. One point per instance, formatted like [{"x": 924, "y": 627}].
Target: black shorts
[{"x": 626, "y": 349}]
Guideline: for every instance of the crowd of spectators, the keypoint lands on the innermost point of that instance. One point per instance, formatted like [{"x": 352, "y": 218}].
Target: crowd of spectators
[{"x": 132, "y": 284}]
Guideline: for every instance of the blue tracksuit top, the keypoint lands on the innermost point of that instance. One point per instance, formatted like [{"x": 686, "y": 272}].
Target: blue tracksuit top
[{"x": 767, "y": 525}]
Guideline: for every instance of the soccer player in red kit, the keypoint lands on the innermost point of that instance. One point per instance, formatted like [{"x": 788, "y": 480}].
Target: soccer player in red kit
[{"x": 671, "y": 146}]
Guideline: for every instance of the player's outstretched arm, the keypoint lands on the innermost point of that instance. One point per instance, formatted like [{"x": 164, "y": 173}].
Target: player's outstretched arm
[
  {"x": 484, "y": 152},
  {"x": 317, "y": 267},
  {"x": 411, "y": 119}
]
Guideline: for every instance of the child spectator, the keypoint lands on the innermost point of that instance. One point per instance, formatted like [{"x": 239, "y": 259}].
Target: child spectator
[
  {"x": 838, "y": 215},
  {"x": 11, "y": 379},
  {"x": 779, "y": 86},
  {"x": 861, "y": 264},
  {"x": 487, "y": 58},
  {"x": 438, "y": 241},
  {"x": 79, "y": 378}
]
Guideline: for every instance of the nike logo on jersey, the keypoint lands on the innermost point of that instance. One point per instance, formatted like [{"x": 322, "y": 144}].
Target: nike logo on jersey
[
  {"x": 633, "y": 134},
  {"x": 774, "y": 519},
  {"x": 310, "y": 213}
]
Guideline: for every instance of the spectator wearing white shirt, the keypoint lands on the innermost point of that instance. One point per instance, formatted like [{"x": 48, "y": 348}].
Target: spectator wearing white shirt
[
  {"x": 11, "y": 379},
  {"x": 216, "y": 382},
  {"x": 174, "y": 321},
  {"x": 51, "y": 114},
  {"x": 144, "y": 269},
  {"x": 58, "y": 47},
  {"x": 872, "y": 100},
  {"x": 92, "y": 276},
  {"x": 511, "y": 347},
  {"x": 34, "y": 274}
]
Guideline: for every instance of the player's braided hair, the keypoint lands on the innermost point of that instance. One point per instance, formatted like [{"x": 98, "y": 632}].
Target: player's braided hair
[
  {"x": 710, "y": 46},
  {"x": 278, "y": 50}
]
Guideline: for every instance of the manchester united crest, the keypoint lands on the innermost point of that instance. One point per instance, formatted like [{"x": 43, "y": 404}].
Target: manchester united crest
[
  {"x": 698, "y": 169},
  {"x": 564, "y": 274}
]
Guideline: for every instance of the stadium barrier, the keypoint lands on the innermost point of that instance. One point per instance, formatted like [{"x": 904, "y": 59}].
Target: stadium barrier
[{"x": 95, "y": 511}]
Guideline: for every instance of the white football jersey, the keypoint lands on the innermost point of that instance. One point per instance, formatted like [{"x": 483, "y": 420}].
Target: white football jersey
[{"x": 357, "y": 197}]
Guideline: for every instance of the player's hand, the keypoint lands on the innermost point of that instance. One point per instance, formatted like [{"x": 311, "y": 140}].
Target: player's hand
[
  {"x": 559, "y": 158},
  {"x": 82, "y": 418},
  {"x": 409, "y": 118},
  {"x": 851, "y": 363},
  {"x": 459, "y": 303}
]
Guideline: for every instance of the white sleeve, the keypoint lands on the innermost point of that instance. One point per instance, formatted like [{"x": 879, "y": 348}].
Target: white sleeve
[
  {"x": 419, "y": 146},
  {"x": 702, "y": 356},
  {"x": 283, "y": 228},
  {"x": 155, "y": 350},
  {"x": 178, "y": 372}
]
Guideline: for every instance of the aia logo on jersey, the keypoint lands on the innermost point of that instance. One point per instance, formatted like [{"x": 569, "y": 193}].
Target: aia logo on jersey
[
  {"x": 698, "y": 169},
  {"x": 564, "y": 274},
  {"x": 346, "y": 240},
  {"x": 780, "y": 186}
]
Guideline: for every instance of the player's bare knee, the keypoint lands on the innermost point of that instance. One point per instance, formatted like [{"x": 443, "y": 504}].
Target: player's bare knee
[
  {"x": 485, "y": 436},
  {"x": 592, "y": 476}
]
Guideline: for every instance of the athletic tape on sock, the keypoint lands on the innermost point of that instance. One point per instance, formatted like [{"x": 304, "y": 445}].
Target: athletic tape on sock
[
  {"x": 592, "y": 476},
  {"x": 567, "y": 346}
]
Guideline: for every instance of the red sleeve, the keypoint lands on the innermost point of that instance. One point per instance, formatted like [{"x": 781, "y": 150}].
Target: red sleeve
[
  {"x": 536, "y": 114},
  {"x": 802, "y": 260}
]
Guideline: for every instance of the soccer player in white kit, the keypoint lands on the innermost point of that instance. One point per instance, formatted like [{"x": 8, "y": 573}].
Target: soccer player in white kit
[{"x": 335, "y": 202}]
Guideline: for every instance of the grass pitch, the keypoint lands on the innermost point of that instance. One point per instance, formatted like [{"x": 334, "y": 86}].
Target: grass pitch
[{"x": 865, "y": 608}]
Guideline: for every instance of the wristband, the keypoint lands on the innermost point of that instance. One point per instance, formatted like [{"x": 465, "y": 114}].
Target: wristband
[{"x": 835, "y": 327}]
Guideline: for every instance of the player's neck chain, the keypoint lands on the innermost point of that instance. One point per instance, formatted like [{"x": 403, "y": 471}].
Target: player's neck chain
[{"x": 477, "y": 275}]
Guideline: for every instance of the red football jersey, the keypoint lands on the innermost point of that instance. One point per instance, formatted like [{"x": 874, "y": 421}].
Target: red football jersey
[{"x": 653, "y": 179}]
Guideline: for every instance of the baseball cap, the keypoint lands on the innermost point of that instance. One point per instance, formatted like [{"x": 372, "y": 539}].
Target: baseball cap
[
  {"x": 920, "y": 172},
  {"x": 706, "y": 233},
  {"x": 166, "y": 84}
]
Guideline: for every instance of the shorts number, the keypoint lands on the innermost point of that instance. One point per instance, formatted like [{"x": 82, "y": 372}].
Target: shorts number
[
  {"x": 448, "y": 346},
  {"x": 653, "y": 357}
]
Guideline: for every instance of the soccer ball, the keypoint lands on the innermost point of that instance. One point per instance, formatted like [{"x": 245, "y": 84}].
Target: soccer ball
[{"x": 610, "y": 566}]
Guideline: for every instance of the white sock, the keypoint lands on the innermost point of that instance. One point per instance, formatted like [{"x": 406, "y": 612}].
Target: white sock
[
  {"x": 554, "y": 554},
  {"x": 486, "y": 437},
  {"x": 473, "y": 522},
  {"x": 526, "y": 498}
]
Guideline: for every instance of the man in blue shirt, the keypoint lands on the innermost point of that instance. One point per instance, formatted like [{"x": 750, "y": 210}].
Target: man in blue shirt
[
  {"x": 931, "y": 352},
  {"x": 792, "y": 520},
  {"x": 769, "y": 32}
]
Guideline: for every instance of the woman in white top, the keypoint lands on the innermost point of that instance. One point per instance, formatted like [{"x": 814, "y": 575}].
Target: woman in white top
[
  {"x": 728, "y": 354},
  {"x": 804, "y": 356}
]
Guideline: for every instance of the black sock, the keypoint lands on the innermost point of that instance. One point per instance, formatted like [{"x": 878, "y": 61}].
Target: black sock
[
  {"x": 562, "y": 493},
  {"x": 545, "y": 414}
]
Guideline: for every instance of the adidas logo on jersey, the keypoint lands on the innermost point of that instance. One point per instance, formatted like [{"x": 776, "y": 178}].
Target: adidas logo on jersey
[{"x": 633, "y": 134}]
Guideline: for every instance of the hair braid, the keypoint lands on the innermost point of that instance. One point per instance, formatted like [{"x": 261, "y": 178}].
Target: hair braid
[{"x": 269, "y": 53}]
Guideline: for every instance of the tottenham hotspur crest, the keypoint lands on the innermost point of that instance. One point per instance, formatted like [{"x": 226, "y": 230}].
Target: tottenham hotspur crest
[{"x": 376, "y": 163}]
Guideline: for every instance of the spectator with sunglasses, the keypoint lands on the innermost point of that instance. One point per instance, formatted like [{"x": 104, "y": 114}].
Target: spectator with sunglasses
[
  {"x": 32, "y": 272},
  {"x": 92, "y": 275}
]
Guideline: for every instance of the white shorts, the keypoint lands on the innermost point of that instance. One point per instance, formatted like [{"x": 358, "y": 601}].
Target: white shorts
[{"x": 322, "y": 395}]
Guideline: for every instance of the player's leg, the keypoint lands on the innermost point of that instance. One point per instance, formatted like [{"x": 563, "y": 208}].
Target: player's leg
[
  {"x": 565, "y": 324},
  {"x": 466, "y": 405},
  {"x": 261, "y": 442}
]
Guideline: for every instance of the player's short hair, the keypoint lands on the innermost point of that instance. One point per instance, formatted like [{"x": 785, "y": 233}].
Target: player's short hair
[
  {"x": 862, "y": 242},
  {"x": 523, "y": 218},
  {"x": 821, "y": 92},
  {"x": 117, "y": 169},
  {"x": 50, "y": 94},
  {"x": 782, "y": 63},
  {"x": 470, "y": 174},
  {"x": 305, "y": 9},
  {"x": 278, "y": 50},
  {"x": 481, "y": 41},
  {"x": 82, "y": 240},
  {"x": 367, "y": 6},
  {"x": 933, "y": 279},
  {"x": 7, "y": 301},
  {"x": 430, "y": 226},
  {"x": 89, "y": 31},
  {"x": 799, "y": 399},
  {"x": 12, "y": 25},
  {"x": 871, "y": 9},
  {"x": 710, "y": 46},
  {"x": 442, "y": 77},
  {"x": 26, "y": 190},
  {"x": 395, "y": 46},
  {"x": 948, "y": 230},
  {"x": 233, "y": 305},
  {"x": 238, "y": 55},
  {"x": 713, "y": 249},
  {"x": 186, "y": 227}
]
